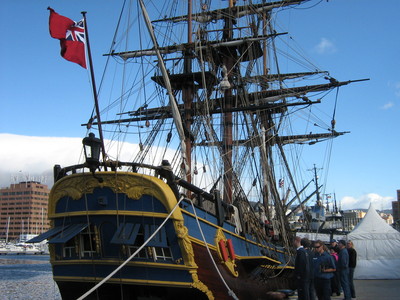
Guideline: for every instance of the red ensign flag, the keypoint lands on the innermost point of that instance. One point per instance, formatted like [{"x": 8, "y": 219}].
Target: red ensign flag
[{"x": 71, "y": 35}]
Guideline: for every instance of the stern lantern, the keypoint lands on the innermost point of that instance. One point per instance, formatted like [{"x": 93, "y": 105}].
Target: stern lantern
[{"x": 92, "y": 149}]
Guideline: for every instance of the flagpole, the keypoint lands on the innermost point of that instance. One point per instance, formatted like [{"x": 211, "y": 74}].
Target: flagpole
[{"x": 96, "y": 102}]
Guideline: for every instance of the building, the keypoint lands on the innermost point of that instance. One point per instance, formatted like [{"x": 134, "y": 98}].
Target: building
[
  {"x": 387, "y": 217},
  {"x": 351, "y": 218},
  {"x": 396, "y": 211},
  {"x": 23, "y": 210}
]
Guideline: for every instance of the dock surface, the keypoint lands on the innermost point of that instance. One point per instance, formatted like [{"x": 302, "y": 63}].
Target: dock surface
[
  {"x": 373, "y": 290},
  {"x": 377, "y": 289}
]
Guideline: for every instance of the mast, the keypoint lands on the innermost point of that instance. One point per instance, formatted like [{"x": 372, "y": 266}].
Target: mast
[
  {"x": 319, "y": 203},
  {"x": 264, "y": 154},
  {"x": 263, "y": 99},
  {"x": 172, "y": 101},
  {"x": 187, "y": 96},
  {"x": 302, "y": 203},
  {"x": 269, "y": 130},
  {"x": 41, "y": 230},
  {"x": 335, "y": 203},
  {"x": 7, "y": 229},
  {"x": 96, "y": 101},
  {"x": 228, "y": 64},
  {"x": 287, "y": 206}
]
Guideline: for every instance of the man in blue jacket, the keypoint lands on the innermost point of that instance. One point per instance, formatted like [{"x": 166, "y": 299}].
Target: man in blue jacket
[
  {"x": 305, "y": 242},
  {"x": 302, "y": 270},
  {"x": 324, "y": 266},
  {"x": 343, "y": 266}
]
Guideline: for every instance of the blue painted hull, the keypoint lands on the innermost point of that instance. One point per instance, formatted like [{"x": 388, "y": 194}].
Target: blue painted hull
[{"x": 99, "y": 225}]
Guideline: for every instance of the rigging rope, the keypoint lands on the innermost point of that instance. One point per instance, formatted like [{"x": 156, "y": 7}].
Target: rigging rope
[{"x": 90, "y": 234}]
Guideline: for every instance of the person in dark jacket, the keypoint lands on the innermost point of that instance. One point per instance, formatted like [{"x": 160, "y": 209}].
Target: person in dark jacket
[
  {"x": 352, "y": 265},
  {"x": 324, "y": 266},
  {"x": 343, "y": 266},
  {"x": 302, "y": 270},
  {"x": 305, "y": 242}
]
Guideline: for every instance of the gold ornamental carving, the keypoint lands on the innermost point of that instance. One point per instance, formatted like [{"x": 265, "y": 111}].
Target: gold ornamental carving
[
  {"x": 132, "y": 184},
  {"x": 188, "y": 256},
  {"x": 185, "y": 244},
  {"x": 197, "y": 284},
  {"x": 75, "y": 187}
]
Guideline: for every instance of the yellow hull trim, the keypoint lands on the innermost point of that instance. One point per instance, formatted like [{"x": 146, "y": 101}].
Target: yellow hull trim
[
  {"x": 118, "y": 262},
  {"x": 125, "y": 281},
  {"x": 109, "y": 212}
]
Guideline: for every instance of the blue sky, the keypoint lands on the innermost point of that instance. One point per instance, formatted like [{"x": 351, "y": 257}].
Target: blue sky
[{"x": 42, "y": 95}]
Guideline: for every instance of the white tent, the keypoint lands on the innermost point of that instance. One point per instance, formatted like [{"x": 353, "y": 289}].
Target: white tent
[{"x": 378, "y": 248}]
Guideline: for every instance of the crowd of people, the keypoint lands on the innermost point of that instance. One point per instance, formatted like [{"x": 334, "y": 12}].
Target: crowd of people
[{"x": 322, "y": 271}]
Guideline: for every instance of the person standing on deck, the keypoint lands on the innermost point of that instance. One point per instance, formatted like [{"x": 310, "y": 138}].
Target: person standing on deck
[
  {"x": 302, "y": 270},
  {"x": 343, "y": 265},
  {"x": 324, "y": 266},
  {"x": 352, "y": 265}
]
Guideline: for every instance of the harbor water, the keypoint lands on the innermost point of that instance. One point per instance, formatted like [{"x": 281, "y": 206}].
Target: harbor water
[{"x": 27, "y": 277}]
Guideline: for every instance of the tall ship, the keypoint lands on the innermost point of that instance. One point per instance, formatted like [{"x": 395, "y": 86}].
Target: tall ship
[{"x": 197, "y": 209}]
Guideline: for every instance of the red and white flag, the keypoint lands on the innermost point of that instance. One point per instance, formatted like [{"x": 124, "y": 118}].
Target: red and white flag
[
  {"x": 281, "y": 182},
  {"x": 71, "y": 35}
]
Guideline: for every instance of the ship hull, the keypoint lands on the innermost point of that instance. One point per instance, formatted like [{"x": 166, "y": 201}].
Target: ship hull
[
  {"x": 99, "y": 223},
  {"x": 73, "y": 290}
]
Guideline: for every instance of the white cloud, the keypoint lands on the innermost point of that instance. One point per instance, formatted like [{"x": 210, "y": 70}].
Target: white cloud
[
  {"x": 325, "y": 46},
  {"x": 378, "y": 201},
  {"x": 33, "y": 158},
  {"x": 387, "y": 105}
]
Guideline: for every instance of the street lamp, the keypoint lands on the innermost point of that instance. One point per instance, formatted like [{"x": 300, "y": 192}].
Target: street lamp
[{"x": 92, "y": 149}]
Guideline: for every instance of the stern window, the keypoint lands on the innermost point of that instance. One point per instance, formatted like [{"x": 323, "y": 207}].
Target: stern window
[{"x": 87, "y": 240}]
